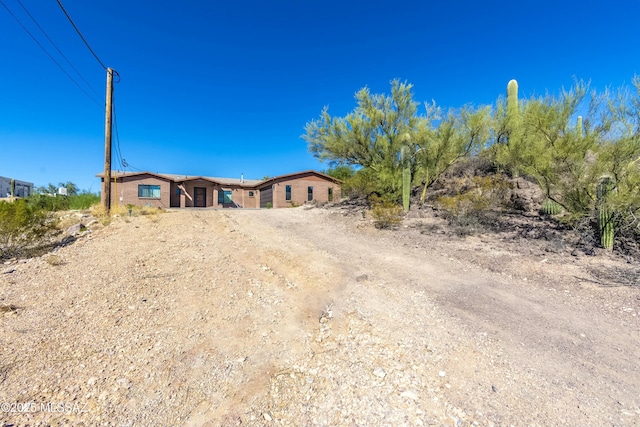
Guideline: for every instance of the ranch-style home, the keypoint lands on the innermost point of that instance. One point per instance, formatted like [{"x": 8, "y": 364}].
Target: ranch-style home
[{"x": 183, "y": 191}]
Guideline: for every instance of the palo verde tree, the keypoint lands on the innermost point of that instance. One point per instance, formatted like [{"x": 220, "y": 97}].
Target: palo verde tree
[
  {"x": 546, "y": 142},
  {"x": 445, "y": 137},
  {"x": 371, "y": 136},
  {"x": 618, "y": 186},
  {"x": 392, "y": 143},
  {"x": 583, "y": 148}
]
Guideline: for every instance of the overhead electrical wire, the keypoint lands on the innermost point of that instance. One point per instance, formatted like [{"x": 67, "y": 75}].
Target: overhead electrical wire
[
  {"x": 57, "y": 48},
  {"x": 80, "y": 34},
  {"x": 48, "y": 54},
  {"x": 118, "y": 151}
]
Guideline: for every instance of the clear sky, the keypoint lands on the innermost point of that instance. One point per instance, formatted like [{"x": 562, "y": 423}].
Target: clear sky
[{"x": 220, "y": 88}]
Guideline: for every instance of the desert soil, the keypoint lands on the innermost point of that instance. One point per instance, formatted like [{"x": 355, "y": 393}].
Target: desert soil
[{"x": 312, "y": 317}]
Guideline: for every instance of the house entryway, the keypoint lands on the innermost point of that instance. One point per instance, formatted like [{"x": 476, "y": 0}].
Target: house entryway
[{"x": 200, "y": 197}]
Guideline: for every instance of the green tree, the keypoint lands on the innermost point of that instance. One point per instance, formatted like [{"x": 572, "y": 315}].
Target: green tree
[
  {"x": 619, "y": 161},
  {"x": 571, "y": 156},
  {"x": 48, "y": 189},
  {"x": 341, "y": 172},
  {"x": 546, "y": 143},
  {"x": 72, "y": 189},
  {"x": 443, "y": 139},
  {"x": 387, "y": 137},
  {"x": 371, "y": 136}
]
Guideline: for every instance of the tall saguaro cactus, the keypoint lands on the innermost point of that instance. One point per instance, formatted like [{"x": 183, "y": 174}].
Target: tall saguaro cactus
[
  {"x": 579, "y": 126},
  {"x": 605, "y": 187},
  {"x": 512, "y": 101},
  {"x": 511, "y": 124},
  {"x": 13, "y": 188}
]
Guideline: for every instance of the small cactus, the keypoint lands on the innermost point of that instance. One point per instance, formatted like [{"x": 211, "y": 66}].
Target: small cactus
[
  {"x": 549, "y": 207},
  {"x": 579, "y": 126},
  {"x": 605, "y": 187}
]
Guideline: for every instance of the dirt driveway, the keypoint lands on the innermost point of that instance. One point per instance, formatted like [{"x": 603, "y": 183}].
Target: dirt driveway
[{"x": 307, "y": 317}]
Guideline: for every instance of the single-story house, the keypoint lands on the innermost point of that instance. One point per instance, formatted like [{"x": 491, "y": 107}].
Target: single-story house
[{"x": 183, "y": 191}]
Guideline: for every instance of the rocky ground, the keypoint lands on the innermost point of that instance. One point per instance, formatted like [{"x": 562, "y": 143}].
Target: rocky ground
[{"x": 314, "y": 317}]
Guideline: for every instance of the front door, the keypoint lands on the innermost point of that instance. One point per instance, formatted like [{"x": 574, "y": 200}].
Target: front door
[{"x": 200, "y": 194}]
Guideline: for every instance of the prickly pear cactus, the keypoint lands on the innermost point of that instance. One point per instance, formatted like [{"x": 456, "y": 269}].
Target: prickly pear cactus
[
  {"x": 605, "y": 187},
  {"x": 549, "y": 207}
]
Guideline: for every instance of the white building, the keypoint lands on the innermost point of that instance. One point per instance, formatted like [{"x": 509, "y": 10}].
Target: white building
[{"x": 21, "y": 188}]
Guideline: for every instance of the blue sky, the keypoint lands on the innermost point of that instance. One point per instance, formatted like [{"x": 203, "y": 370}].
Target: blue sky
[{"x": 223, "y": 88}]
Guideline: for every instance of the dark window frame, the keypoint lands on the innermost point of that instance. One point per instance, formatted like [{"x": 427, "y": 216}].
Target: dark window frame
[
  {"x": 287, "y": 193},
  {"x": 150, "y": 191},
  {"x": 310, "y": 193},
  {"x": 223, "y": 199}
]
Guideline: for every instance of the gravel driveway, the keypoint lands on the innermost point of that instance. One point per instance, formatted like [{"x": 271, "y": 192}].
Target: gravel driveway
[{"x": 306, "y": 317}]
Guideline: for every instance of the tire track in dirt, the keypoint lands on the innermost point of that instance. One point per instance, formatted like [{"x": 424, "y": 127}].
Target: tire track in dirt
[
  {"x": 547, "y": 356},
  {"x": 203, "y": 317},
  {"x": 281, "y": 297}
]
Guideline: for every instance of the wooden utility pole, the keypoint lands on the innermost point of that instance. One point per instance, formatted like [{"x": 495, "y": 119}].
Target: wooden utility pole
[{"x": 106, "y": 183}]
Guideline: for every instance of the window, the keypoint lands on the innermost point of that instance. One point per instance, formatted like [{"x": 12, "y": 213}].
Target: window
[
  {"x": 225, "y": 197},
  {"x": 310, "y": 193},
  {"x": 330, "y": 198},
  {"x": 250, "y": 193},
  {"x": 287, "y": 195},
  {"x": 149, "y": 191}
]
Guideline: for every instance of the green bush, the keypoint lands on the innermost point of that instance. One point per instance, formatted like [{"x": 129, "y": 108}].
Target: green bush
[
  {"x": 48, "y": 203},
  {"x": 83, "y": 201},
  {"x": 63, "y": 203},
  {"x": 385, "y": 214},
  {"x": 21, "y": 225},
  {"x": 474, "y": 202}
]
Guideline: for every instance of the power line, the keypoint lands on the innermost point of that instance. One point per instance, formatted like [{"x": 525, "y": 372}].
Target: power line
[
  {"x": 48, "y": 54},
  {"x": 115, "y": 124},
  {"x": 80, "y": 34},
  {"x": 57, "y": 48}
]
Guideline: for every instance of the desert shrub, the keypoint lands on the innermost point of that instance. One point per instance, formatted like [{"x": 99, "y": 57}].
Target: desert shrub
[
  {"x": 474, "y": 201},
  {"x": 49, "y": 203},
  {"x": 54, "y": 260},
  {"x": 361, "y": 184},
  {"x": 269, "y": 205},
  {"x": 385, "y": 214},
  {"x": 62, "y": 203},
  {"x": 22, "y": 225},
  {"x": 83, "y": 201}
]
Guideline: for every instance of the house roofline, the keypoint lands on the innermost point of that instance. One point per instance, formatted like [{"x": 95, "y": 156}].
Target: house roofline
[
  {"x": 289, "y": 175},
  {"x": 222, "y": 181}
]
